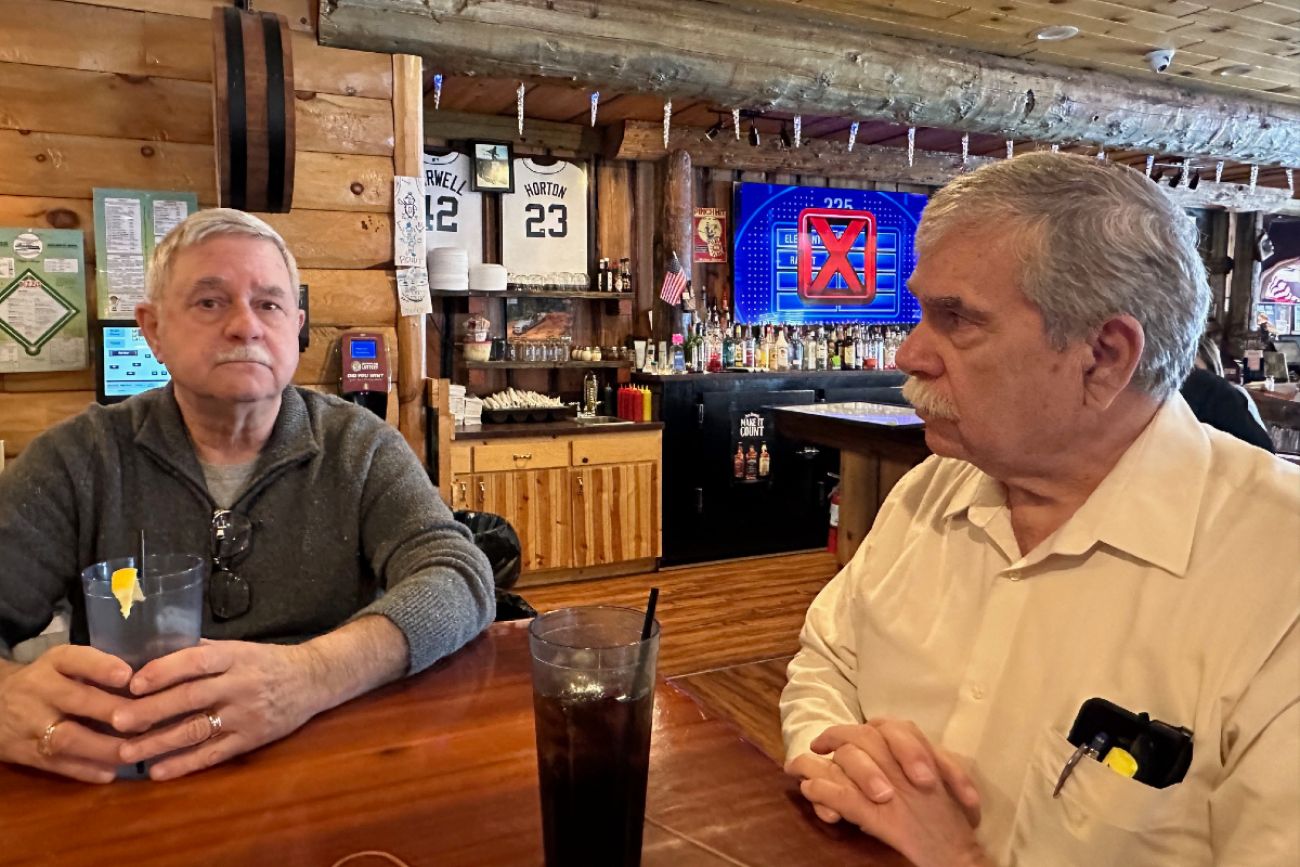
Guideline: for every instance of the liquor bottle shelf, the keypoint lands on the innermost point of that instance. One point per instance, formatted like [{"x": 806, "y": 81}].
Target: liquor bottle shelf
[
  {"x": 574, "y": 365},
  {"x": 539, "y": 293}
]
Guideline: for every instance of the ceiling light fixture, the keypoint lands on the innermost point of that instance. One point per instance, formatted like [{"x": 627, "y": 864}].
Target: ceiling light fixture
[
  {"x": 1057, "y": 33},
  {"x": 1236, "y": 69}
]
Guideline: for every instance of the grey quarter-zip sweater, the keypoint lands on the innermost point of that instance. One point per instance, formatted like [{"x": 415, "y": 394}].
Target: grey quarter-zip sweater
[{"x": 345, "y": 522}]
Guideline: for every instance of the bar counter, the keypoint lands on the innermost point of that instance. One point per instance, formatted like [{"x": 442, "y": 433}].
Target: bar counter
[
  {"x": 568, "y": 427},
  {"x": 878, "y": 444}
]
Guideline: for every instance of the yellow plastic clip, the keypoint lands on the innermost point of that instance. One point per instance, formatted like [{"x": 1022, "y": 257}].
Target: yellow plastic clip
[{"x": 1121, "y": 762}]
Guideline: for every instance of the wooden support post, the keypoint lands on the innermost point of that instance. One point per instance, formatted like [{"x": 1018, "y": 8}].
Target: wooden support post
[
  {"x": 679, "y": 206},
  {"x": 1245, "y": 274},
  {"x": 408, "y": 155}
]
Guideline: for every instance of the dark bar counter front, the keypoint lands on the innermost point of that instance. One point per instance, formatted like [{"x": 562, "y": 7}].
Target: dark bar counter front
[{"x": 719, "y": 503}]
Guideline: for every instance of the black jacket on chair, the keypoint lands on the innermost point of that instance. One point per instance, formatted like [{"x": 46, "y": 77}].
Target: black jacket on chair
[{"x": 1218, "y": 403}]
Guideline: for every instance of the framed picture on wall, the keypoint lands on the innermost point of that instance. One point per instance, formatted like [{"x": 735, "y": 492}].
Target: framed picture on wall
[{"x": 493, "y": 167}]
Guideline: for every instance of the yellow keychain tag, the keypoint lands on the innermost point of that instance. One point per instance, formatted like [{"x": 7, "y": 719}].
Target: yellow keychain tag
[
  {"x": 125, "y": 584},
  {"x": 1121, "y": 762}
]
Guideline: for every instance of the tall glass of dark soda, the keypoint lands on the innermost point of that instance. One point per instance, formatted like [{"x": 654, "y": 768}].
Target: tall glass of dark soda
[{"x": 593, "y": 703}]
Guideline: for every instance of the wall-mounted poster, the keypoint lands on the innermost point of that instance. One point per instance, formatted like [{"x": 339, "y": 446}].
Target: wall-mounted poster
[
  {"x": 128, "y": 225},
  {"x": 544, "y": 221},
  {"x": 710, "y": 235},
  {"x": 453, "y": 213},
  {"x": 42, "y": 300}
]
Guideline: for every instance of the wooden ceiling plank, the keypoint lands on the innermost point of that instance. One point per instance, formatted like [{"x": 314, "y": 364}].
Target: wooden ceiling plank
[
  {"x": 1129, "y": 12},
  {"x": 1244, "y": 26},
  {"x": 1275, "y": 13}
]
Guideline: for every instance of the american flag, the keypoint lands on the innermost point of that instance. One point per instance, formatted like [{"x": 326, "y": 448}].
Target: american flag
[{"x": 674, "y": 282}]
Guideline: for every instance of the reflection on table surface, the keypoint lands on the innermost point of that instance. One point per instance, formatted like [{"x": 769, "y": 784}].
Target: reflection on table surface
[{"x": 436, "y": 770}]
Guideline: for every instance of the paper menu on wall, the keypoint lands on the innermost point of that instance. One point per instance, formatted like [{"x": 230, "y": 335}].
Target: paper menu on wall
[
  {"x": 129, "y": 224},
  {"x": 408, "y": 222},
  {"x": 42, "y": 300}
]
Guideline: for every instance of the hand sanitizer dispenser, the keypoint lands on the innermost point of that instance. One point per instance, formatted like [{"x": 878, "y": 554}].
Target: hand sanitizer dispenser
[{"x": 363, "y": 377}]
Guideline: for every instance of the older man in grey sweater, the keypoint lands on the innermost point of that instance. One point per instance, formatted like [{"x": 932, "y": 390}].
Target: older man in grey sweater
[{"x": 355, "y": 573}]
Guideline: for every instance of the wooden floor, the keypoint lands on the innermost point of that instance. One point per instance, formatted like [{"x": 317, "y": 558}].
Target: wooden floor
[{"x": 729, "y": 628}]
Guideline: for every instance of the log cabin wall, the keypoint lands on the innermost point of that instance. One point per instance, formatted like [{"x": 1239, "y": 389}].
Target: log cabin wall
[{"x": 117, "y": 93}]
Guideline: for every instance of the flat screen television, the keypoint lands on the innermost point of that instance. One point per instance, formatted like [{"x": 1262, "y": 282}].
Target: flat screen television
[
  {"x": 814, "y": 255},
  {"x": 126, "y": 365}
]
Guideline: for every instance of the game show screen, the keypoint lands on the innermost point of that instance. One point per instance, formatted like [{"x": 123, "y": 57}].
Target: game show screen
[{"x": 820, "y": 255}]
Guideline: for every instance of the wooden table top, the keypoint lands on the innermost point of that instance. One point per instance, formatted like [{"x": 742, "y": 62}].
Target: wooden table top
[{"x": 437, "y": 770}]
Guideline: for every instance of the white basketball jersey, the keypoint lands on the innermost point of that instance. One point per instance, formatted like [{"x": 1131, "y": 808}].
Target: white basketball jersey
[
  {"x": 453, "y": 214},
  {"x": 544, "y": 221}
]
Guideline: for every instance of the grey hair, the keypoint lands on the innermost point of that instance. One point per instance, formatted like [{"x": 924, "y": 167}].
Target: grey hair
[
  {"x": 199, "y": 227},
  {"x": 1095, "y": 240}
]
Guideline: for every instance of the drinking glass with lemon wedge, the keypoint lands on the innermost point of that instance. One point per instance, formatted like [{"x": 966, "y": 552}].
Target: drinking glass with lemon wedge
[{"x": 139, "y": 615}]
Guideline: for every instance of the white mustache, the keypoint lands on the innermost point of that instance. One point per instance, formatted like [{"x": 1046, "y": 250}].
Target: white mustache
[
  {"x": 927, "y": 400},
  {"x": 248, "y": 352}
]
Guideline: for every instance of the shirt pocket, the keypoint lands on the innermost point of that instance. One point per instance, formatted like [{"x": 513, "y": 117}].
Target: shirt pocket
[{"x": 1102, "y": 817}]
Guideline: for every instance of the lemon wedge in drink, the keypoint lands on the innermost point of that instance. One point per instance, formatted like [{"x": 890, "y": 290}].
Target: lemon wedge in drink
[{"x": 126, "y": 587}]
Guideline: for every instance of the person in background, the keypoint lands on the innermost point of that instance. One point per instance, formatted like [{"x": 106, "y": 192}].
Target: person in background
[
  {"x": 1077, "y": 534},
  {"x": 1222, "y": 404},
  {"x": 357, "y": 573}
]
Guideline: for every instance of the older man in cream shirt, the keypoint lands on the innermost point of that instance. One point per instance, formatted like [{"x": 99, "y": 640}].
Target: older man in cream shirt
[{"x": 1077, "y": 534}]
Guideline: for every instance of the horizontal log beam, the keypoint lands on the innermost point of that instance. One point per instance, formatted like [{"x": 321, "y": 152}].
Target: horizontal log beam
[
  {"x": 728, "y": 55},
  {"x": 639, "y": 140}
]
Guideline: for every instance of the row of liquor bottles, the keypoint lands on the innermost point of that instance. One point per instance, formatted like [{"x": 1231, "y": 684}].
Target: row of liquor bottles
[{"x": 713, "y": 346}]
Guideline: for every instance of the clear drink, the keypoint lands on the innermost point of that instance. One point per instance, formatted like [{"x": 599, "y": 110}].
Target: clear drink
[
  {"x": 593, "y": 703},
  {"x": 169, "y": 618}
]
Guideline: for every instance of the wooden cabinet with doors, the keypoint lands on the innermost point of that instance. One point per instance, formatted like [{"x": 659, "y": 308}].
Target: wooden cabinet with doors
[{"x": 579, "y": 503}]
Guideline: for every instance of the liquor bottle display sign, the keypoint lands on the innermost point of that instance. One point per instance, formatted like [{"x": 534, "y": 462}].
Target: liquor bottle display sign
[
  {"x": 544, "y": 221},
  {"x": 750, "y": 461},
  {"x": 42, "y": 300}
]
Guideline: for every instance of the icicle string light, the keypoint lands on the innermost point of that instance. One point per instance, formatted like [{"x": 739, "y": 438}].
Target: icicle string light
[
  {"x": 911, "y": 145},
  {"x": 668, "y": 120},
  {"x": 853, "y": 135},
  {"x": 798, "y": 130},
  {"x": 437, "y": 91},
  {"x": 965, "y": 148},
  {"x": 735, "y": 122},
  {"x": 1218, "y": 172},
  {"x": 1254, "y": 177},
  {"x": 1011, "y": 149},
  {"x": 1290, "y": 181},
  {"x": 519, "y": 106},
  {"x": 595, "y": 101},
  {"x": 1151, "y": 163}
]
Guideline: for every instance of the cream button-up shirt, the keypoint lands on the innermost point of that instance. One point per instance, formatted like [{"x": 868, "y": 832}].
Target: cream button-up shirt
[{"x": 1174, "y": 590}]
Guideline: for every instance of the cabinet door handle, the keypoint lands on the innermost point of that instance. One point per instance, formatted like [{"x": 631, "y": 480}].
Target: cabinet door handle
[
  {"x": 579, "y": 486},
  {"x": 482, "y": 492},
  {"x": 464, "y": 497},
  {"x": 527, "y": 457}
]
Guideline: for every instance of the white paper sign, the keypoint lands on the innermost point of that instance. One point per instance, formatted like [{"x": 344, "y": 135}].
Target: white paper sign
[
  {"x": 62, "y": 266},
  {"x": 408, "y": 222},
  {"x": 413, "y": 291},
  {"x": 166, "y": 214}
]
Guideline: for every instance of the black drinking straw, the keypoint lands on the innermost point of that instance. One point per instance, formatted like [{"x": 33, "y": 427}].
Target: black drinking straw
[
  {"x": 139, "y": 556},
  {"x": 650, "y": 614}
]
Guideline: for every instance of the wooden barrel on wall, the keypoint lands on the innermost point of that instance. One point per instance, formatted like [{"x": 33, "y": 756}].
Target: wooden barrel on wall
[{"x": 253, "y": 109}]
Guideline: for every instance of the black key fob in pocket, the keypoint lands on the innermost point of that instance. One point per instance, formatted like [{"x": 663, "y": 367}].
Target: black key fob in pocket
[{"x": 1163, "y": 752}]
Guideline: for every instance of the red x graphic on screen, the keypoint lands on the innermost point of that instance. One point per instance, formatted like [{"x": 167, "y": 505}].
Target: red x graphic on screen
[{"x": 860, "y": 286}]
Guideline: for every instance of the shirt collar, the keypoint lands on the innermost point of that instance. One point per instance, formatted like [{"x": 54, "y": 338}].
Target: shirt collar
[
  {"x": 160, "y": 429},
  {"x": 1146, "y": 506}
]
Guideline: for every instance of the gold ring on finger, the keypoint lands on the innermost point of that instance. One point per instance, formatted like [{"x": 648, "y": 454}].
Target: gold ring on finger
[
  {"x": 214, "y": 723},
  {"x": 45, "y": 744}
]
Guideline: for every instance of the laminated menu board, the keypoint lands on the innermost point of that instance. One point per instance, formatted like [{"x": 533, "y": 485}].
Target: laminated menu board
[
  {"x": 42, "y": 300},
  {"x": 128, "y": 225}
]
